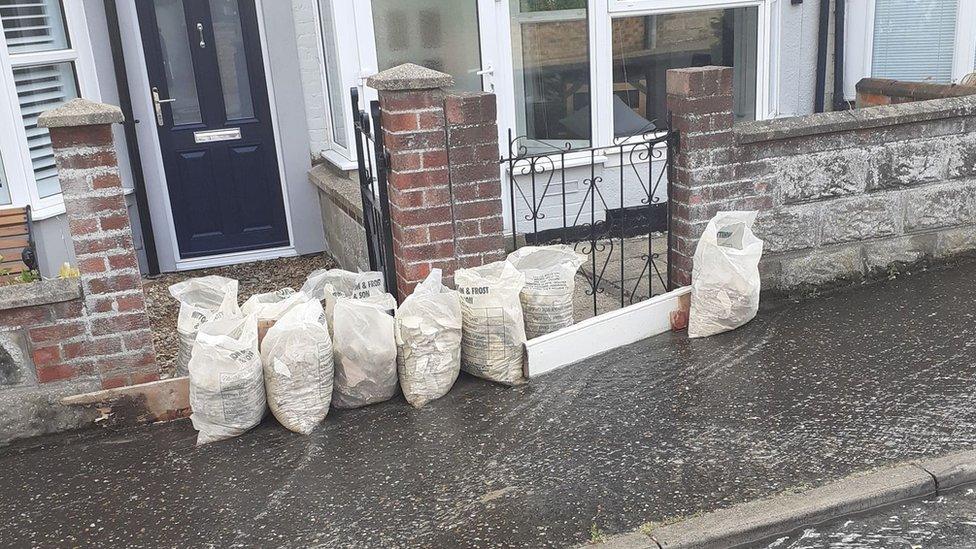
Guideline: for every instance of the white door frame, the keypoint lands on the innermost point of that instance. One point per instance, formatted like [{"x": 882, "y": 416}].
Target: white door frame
[{"x": 157, "y": 190}]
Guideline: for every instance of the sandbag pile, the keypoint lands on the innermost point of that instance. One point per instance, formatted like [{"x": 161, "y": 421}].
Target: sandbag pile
[
  {"x": 428, "y": 337},
  {"x": 550, "y": 284},
  {"x": 342, "y": 341}
]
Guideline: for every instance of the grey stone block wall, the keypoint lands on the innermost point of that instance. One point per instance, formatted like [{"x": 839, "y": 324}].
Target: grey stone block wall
[
  {"x": 342, "y": 218},
  {"x": 841, "y": 195}
]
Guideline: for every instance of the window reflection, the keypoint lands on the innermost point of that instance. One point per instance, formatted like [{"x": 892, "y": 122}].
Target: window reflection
[
  {"x": 552, "y": 70},
  {"x": 645, "y": 47}
]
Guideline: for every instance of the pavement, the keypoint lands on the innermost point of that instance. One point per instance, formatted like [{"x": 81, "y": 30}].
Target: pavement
[
  {"x": 946, "y": 521},
  {"x": 668, "y": 427}
]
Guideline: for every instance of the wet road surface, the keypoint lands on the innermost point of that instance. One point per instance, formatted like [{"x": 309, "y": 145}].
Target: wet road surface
[
  {"x": 947, "y": 521},
  {"x": 666, "y": 427}
]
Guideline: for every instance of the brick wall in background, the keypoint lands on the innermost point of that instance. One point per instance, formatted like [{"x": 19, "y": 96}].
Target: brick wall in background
[
  {"x": 840, "y": 195},
  {"x": 872, "y": 92}
]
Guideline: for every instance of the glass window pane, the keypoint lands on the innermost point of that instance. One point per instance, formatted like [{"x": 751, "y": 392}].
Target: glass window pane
[
  {"x": 337, "y": 95},
  {"x": 552, "y": 70},
  {"x": 645, "y": 47},
  {"x": 4, "y": 187},
  {"x": 33, "y": 25},
  {"x": 914, "y": 40},
  {"x": 439, "y": 34},
  {"x": 231, "y": 59},
  {"x": 41, "y": 88},
  {"x": 177, "y": 62}
]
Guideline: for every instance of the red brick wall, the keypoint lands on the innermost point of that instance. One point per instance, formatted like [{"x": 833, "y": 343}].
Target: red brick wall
[
  {"x": 444, "y": 182},
  {"x": 419, "y": 185},
  {"x": 872, "y": 92},
  {"x": 472, "y": 147},
  {"x": 106, "y": 332}
]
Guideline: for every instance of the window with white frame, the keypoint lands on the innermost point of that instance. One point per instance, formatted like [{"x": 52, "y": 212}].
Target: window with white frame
[
  {"x": 40, "y": 73},
  {"x": 556, "y": 52},
  {"x": 333, "y": 76},
  {"x": 646, "y": 46},
  {"x": 915, "y": 40},
  {"x": 551, "y": 57}
]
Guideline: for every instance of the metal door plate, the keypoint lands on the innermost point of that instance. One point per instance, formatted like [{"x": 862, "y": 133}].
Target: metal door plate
[{"x": 213, "y": 136}]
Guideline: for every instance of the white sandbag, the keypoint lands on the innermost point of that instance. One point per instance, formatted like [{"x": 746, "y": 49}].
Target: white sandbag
[
  {"x": 493, "y": 336},
  {"x": 344, "y": 284},
  {"x": 365, "y": 351},
  {"x": 328, "y": 284},
  {"x": 201, "y": 300},
  {"x": 725, "y": 277},
  {"x": 298, "y": 367},
  {"x": 269, "y": 307},
  {"x": 550, "y": 285},
  {"x": 428, "y": 336},
  {"x": 226, "y": 380}
]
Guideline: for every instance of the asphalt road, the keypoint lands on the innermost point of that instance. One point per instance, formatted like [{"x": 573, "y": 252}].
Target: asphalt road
[
  {"x": 947, "y": 521},
  {"x": 807, "y": 393}
]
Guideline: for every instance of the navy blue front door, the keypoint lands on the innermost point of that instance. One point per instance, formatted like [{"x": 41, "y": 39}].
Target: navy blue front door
[{"x": 209, "y": 92}]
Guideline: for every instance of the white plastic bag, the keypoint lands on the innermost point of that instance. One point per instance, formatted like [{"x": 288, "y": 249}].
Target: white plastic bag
[
  {"x": 298, "y": 367},
  {"x": 493, "y": 337},
  {"x": 428, "y": 336},
  {"x": 226, "y": 381},
  {"x": 201, "y": 300},
  {"x": 365, "y": 351},
  {"x": 328, "y": 284},
  {"x": 269, "y": 307},
  {"x": 550, "y": 285},
  {"x": 725, "y": 277}
]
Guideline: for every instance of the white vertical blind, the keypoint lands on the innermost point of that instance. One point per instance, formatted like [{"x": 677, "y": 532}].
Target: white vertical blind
[
  {"x": 33, "y": 25},
  {"x": 914, "y": 40},
  {"x": 43, "y": 74},
  {"x": 40, "y": 88}
]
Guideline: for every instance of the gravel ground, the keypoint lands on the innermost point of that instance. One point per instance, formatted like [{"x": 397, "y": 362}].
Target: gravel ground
[{"x": 254, "y": 278}]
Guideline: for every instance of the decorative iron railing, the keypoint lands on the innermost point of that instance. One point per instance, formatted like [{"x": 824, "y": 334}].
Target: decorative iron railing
[{"x": 610, "y": 203}]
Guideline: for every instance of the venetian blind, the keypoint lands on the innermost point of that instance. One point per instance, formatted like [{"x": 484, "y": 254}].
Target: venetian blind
[
  {"x": 914, "y": 40},
  {"x": 33, "y": 25},
  {"x": 41, "y": 88}
]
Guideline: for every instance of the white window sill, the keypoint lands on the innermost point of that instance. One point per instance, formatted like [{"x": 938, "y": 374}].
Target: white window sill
[{"x": 338, "y": 160}]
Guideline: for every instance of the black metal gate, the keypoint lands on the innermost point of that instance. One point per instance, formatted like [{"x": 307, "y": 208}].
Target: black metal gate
[
  {"x": 373, "y": 163},
  {"x": 603, "y": 201}
]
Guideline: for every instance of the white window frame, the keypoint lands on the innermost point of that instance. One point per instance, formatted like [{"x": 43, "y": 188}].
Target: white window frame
[
  {"x": 13, "y": 136},
  {"x": 348, "y": 55},
  {"x": 601, "y": 14},
  {"x": 859, "y": 43}
]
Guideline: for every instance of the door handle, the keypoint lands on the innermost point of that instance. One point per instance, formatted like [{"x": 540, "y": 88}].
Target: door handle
[
  {"x": 203, "y": 43},
  {"x": 489, "y": 70},
  {"x": 158, "y": 105}
]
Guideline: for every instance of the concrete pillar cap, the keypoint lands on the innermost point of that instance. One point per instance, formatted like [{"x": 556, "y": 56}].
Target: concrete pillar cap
[
  {"x": 80, "y": 112},
  {"x": 409, "y": 76}
]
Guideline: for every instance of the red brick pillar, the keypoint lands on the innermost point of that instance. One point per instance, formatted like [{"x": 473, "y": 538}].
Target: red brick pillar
[
  {"x": 119, "y": 338},
  {"x": 472, "y": 151},
  {"x": 412, "y": 118},
  {"x": 700, "y": 101},
  {"x": 444, "y": 189}
]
